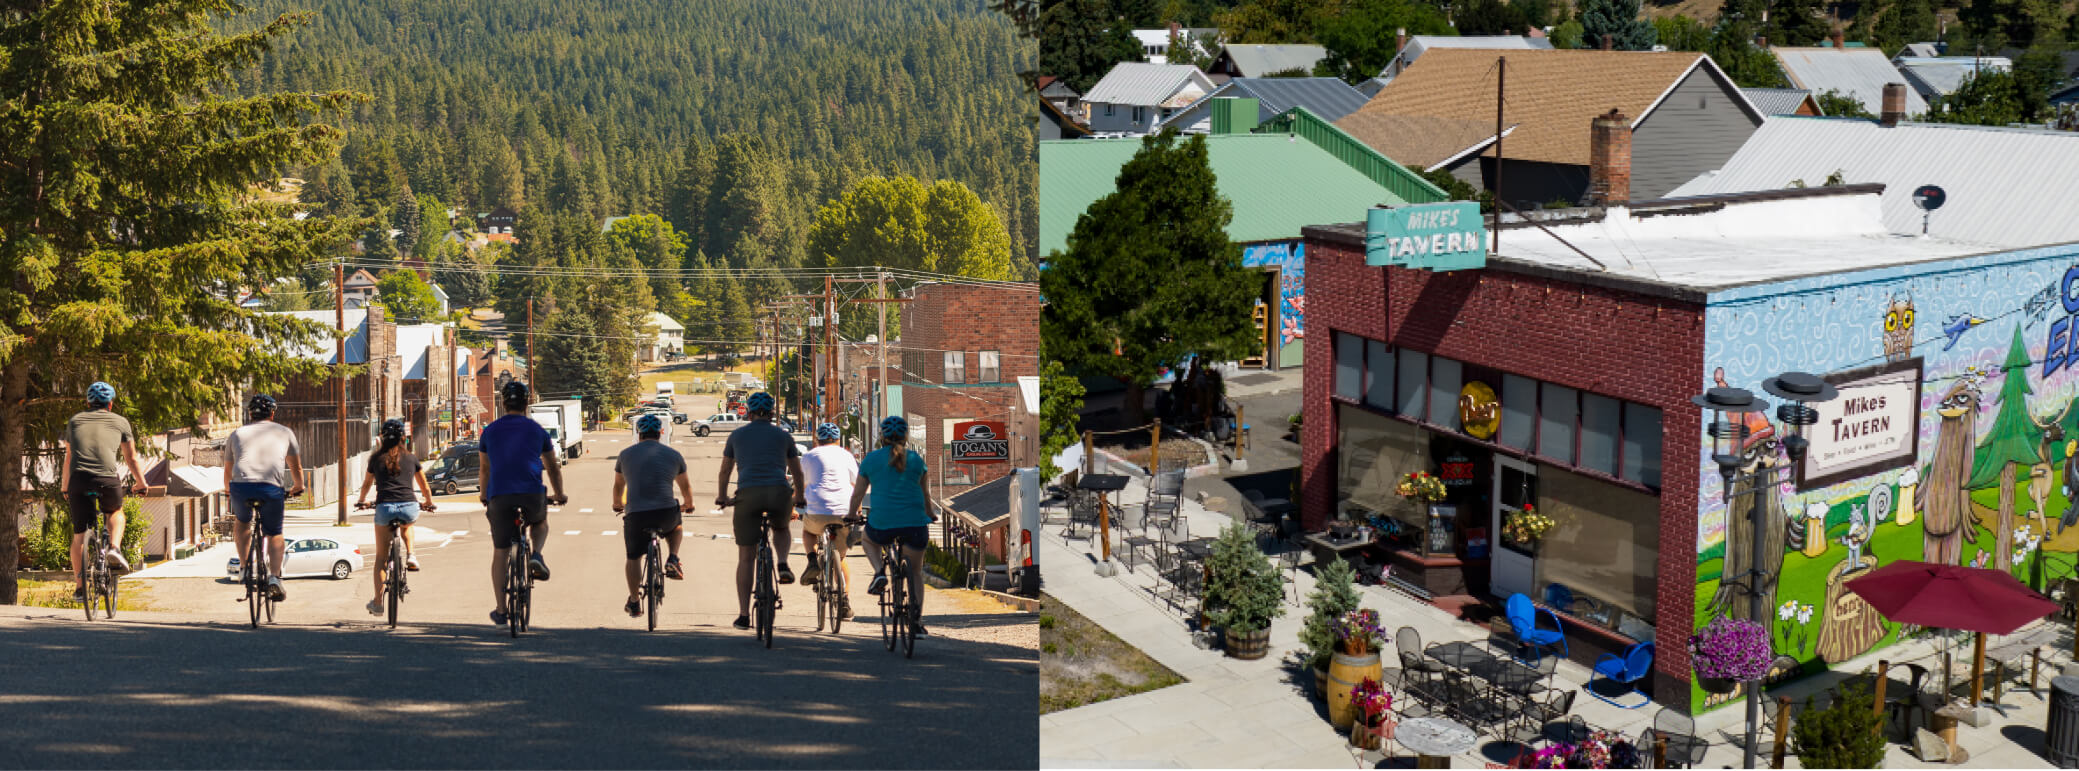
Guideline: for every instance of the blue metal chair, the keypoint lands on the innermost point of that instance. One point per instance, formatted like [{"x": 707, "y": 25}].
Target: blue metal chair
[
  {"x": 1631, "y": 670},
  {"x": 1523, "y": 617}
]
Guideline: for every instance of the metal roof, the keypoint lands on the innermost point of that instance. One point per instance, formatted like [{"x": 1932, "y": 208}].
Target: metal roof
[
  {"x": 2007, "y": 187},
  {"x": 1141, "y": 83},
  {"x": 1858, "y": 73},
  {"x": 1277, "y": 183},
  {"x": 1329, "y": 98},
  {"x": 1256, "y": 61},
  {"x": 1419, "y": 43},
  {"x": 1777, "y": 101},
  {"x": 1941, "y": 76},
  {"x": 326, "y": 350}
]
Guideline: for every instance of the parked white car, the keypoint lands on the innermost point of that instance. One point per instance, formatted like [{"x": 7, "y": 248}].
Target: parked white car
[{"x": 303, "y": 557}]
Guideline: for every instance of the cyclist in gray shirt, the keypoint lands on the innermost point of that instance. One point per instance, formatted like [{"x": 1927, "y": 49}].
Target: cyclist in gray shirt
[
  {"x": 98, "y": 445},
  {"x": 643, "y": 478}
]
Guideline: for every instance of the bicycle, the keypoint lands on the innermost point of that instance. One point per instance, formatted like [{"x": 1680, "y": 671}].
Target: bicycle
[
  {"x": 394, "y": 586},
  {"x": 895, "y": 606},
  {"x": 765, "y": 597},
  {"x": 831, "y": 586},
  {"x": 100, "y": 579},
  {"x": 258, "y": 600},
  {"x": 653, "y": 574},
  {"x": 519, "y": 581}
]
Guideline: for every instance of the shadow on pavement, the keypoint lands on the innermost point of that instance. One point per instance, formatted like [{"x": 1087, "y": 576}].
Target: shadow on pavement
[{"x": 140, "y": 692}]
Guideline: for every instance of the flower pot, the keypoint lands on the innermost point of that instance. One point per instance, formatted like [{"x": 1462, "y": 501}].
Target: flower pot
[
  {"x": 1717, "y": 684},
  {"x": 1344, "y": 673},
  {"x": 1366, "y": 737},
  {"x": 1356, "y": 646},
  {"x": 1248, "y": 646}
]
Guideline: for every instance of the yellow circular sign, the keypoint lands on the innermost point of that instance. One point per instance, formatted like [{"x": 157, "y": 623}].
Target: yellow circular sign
[{"x": 1479, "y": 413}]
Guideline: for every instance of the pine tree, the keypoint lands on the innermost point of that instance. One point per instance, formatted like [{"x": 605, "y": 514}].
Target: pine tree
[
  {"x": 2013, "y": 442},
  {"x": 1618, "y": 20},
  {"x": 123, "y": 215},
  {"x": 1844, "y": 734},
  {"x": 1334, "y": 596},
  {"x": 405, "y": 216},
  {"x": 1080, "y": 41},
  {"x": 1902, "y": 22}
]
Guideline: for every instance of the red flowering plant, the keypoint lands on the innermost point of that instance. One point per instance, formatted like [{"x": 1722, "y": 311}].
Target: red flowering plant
[{"x": 1372, "y": 702}]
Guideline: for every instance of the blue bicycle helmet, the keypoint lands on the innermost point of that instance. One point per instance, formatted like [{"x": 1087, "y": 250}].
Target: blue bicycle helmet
[
  {"x": 649, "y": 424},
  {"x": 759, "y": 402},
  {"x": 894, "y": 427},
  {"x": 828, "y": 432},
  {"x": 260, "y": 407},
  {"x": 393, "y": 429},
  {"x": 100, "y": 394}
]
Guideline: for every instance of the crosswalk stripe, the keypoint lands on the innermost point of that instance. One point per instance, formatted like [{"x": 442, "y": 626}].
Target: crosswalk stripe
[
  {"x": 570, "y": 532},
  {"x": 609, "y": 532},
  {"x": 584, "y": 511},
  {"x": 459, "y": 533}
]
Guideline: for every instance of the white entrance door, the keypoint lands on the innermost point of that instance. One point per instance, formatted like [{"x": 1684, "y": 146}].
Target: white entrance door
[{"x": 1515, "y": 484}]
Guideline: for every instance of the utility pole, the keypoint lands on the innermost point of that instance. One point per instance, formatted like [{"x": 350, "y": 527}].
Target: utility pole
[
  {"x": 829, "y": 395},
  {"x": 880, "y": 280},
  {"x": 533, "y": 378},
  {"x": 339, "y": 380},
  {"x": 454, "y": 396}
]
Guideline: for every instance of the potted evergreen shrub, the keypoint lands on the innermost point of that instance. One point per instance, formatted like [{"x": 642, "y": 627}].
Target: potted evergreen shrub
[
  {"x": 1335, "y": 594},
  {"x": 1843, "y": 735},
  {"x": 1243, "y": 592}
]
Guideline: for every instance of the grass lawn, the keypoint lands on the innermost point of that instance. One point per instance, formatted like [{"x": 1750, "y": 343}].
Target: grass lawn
[
  {"x": 58, "y": 594},
  {"x": 1081, "y": 663}
]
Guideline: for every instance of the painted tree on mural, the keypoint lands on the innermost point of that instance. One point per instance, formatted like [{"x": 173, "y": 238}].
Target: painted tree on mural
[{"x": 2013, "y": 442}]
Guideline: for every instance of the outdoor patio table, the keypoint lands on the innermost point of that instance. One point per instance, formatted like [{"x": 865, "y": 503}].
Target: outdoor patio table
[
  {"x": 1509, "y": 675},
  {"x": 1349, "y": 550},
  {"x": 1462, "y": 656},
  {"x": 1435, "y": 740}
]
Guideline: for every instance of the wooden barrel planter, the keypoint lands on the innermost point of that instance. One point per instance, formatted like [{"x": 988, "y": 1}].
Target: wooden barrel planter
[
  {"x": 1344, "y": 673},
  {"x": 1321, "y": 682},
  {"x": 1250, "y": 646}
]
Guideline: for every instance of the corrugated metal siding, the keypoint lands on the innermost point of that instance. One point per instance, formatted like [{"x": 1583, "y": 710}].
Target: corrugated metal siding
[
  {"x": 1328, "y": 98},
  {"x": 1255, "y": 61},
  {"x": 1697, "y": 127},
  {"x": 1144, "y": 84},
  {"x": 1776, "y": 101},
  {"x": 2007, "y": 187},
  {"x": 1406, "y": 184},
  {"x": 1857, "y": 73}
]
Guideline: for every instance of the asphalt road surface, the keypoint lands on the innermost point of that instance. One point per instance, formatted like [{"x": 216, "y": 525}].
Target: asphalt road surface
[{"x": 189, "y": 685}]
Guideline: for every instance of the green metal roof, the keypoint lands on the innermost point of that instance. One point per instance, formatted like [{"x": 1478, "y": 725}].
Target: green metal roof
[{"x": 1278, "y": 184}]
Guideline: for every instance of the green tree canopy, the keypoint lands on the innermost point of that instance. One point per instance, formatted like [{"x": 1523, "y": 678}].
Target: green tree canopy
[
  {"x": 1619, "y": 20},
  {"x": 1988, "y": 98},
  {"x": 1834, "y": 104},
  {"x": 125, "y": 205},
  {"x": 1061, "y": 407},
  {"x": 1360, "y": 40},
  {"x": 1149, "y": 276},
  {"x": 1080, "y": 40},
  {"x": 407, "y": 298},
  {"x": 661, "y": 251}
]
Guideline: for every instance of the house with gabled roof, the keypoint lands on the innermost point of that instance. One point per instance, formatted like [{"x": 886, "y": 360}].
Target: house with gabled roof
[
  {"x": 1684, "y": 116},
  {"x": 1940, "y": 76},
  {"x": 1857, "y": 73},
  {"x": 1256, "y": 61},
  {"x": 1327, "y": 98},
  {"x": 1135, "y": 96},
  {"x": 1783, "y": 101},
  {"x": 1412, "y": 48}
]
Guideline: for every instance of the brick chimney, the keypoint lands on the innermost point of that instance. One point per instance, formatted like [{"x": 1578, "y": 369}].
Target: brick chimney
[
  {"x": 1400, "y": 40},
  {"x": 1762, "y": 42},
  {"x": 1894, "y": 105},
  {"x": 1608, "y": 42},
  {"x": 1609, "y": 159}
]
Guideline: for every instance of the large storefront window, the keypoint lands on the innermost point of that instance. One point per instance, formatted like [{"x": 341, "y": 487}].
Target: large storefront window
[
  {"x": 1375, "y": 451},
  {"x": 1602, "y": 552}
]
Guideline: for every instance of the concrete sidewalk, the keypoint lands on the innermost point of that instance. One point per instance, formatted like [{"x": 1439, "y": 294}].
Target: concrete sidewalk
[{"x": 305, "y": 523}]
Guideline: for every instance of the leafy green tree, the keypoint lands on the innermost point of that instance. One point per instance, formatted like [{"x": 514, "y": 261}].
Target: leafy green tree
[
  {"x": 1080, "y": 40},
  {"x": 1196, "y": 50},
  {"x": 1798, "y": 23},
  {"x": 660, "y": 250},
  {"x": 1682, "y": 33},
  {"x": 2013, "y": 442},
  {"x": 289, "y": 294},
  {"x": 1490, "y": 17},
  {"x": 1834, "y": 104},
  {"x": 1360, "y": 40},
  {"x": 1460, "y": 190},
  {"x": 1618, "y": 20},
  {"x": 407, "y": 299},
  {"x": 1749, "y": 65},
  {"x": 433, "y": 226},
  {"x": 1989, "y": 98},
  {"x": 1274, "y": 21},
  {"x": 1569, "y": 34},
  {"x": 1902, "y": 22},
  {"x": 1150, "y": 276},
  {"x": 1061, "y": 408},
  {"x": 123, "y": 167}
]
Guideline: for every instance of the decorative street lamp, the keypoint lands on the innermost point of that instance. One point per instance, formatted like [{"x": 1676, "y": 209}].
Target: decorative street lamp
[{"x": 1728, "y": 431}]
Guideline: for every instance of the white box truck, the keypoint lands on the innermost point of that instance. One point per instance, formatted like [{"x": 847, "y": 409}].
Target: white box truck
[
  {"x": 565, "y": 420},
  {"x": 666, "y": 390}
]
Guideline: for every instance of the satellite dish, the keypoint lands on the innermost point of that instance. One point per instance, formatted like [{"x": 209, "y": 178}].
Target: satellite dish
[{"x": 1929, "y": 197}]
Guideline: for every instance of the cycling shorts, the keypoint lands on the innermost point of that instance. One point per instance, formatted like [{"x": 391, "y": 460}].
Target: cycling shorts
[
  {"x": 760, "y": 507},
  {"x": 532, "y": 507},
  {"x": 271, "y": 501},
  {"x": 812, "y": 528},
  {"x": 913, "y": 537},
  {"x": 635, "y": 527},
  {"x": 88, "y": 496}
]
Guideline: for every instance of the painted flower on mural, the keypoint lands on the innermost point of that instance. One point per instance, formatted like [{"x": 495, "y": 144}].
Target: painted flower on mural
[
  {"x": 1788, "y": 611},
  {"x": 1732, "y": 649},
  {"x": 1289, "y": 330},
  {"x": 1804, "y": 614}
]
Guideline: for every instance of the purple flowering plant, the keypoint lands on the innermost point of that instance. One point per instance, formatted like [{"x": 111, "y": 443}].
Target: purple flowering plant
[
  {"x": 1732, "y": 649},
  {"x": 1359, "y": 631}
]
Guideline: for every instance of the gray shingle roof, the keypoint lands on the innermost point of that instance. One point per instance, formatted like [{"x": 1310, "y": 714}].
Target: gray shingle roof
[
  {"x": 1256, "y": 61},
  {"x": 1329, "y": 98},
  {"x": 2007, "y": 187},
  {"x": 1144, "y": 84},
  {"x": 1858, "y": 73},
  {"x": 1776, "y": 101}
]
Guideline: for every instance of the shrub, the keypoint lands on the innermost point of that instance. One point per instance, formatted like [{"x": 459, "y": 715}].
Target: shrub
[
  {"x": 1335, "y": 593},
  {"x": 1844, "y": 735},
  {"x": 1245, "y": 592}
]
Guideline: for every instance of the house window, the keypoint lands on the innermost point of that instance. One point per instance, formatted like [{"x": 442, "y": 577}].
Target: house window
[
  {"x": 1349, "y": 365},
  {"x": 1108, "y": 110},
  {"x": 989, "y": 369},
  {"x": 1378, "y": 381},
  {"x": 1139, "y": 114},
  {"x": 956, "y": 367}
]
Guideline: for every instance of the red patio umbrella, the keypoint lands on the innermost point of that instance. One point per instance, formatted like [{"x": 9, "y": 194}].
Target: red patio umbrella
[{"x": 1953, "y": 597}]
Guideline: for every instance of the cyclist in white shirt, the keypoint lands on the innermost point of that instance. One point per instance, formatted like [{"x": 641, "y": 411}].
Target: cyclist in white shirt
[{"x": 830, "y": 471}]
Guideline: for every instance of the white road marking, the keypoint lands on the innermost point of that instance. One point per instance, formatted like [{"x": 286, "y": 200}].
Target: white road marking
[
  {"x": 570, "y": 532},
  {"x": 609, "y": 532},
  {"x": 584, "y": 511},
  {"x": 555, "y": 509},
  {"x": 459, "y": 533}
]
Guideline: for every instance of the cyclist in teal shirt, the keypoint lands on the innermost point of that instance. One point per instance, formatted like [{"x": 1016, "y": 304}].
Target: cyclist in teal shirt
[{"x": 901, "y": 513}]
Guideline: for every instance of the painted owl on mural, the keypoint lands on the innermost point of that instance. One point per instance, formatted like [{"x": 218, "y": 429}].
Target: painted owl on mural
[{"x": 1898, "y": 329}]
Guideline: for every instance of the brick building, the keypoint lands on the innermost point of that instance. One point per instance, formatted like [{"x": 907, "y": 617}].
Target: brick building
[{"x": 964, "y": 347}]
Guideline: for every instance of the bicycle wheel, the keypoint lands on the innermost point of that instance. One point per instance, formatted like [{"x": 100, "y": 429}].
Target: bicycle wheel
[
  {"x": 394, "y": 583},
  {"x": 515, "y": 587},
  {"x": 255, "y": 583},
  {"x": 653, "y": 582},
  {"x": 905, "y": 635},
  {"x": 834, "y": 578},
  {"x": 825, "y": 604},
  {"x": 89, "y": 579},
  {"x": 767, "y": 592},
  {"x": 891, "y": 595},
  {"x": 112, "y": 586}
]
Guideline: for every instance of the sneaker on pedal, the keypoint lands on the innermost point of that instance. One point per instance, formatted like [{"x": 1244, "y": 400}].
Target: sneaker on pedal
[
  {"x": 786, "y": 574},
  {"x": 917, "y": 628},
  {"x": 274, "y": 589},
  {"x": 537, "y": 568},
  {"x": 742, "y": 622},
  {"x": 375, "y": 607},
  {"x": 634, "y": 608},
  {"x": 812, "y": 572},
  {"x": 878, "y": 584},
  {"x": 115, "y": 560},
  {"x": 411, "y": 562},
  {"x": 80, "y": 595},
  {"x": 844, "y": 609},
  {"x": 673, "y": 571}
]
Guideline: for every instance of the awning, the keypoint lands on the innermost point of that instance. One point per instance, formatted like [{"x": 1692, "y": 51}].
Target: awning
[
  {"x": 1029, "y": 387},
  {"x": 986, "y": 503},
  {"x": 197, "y": 480}
]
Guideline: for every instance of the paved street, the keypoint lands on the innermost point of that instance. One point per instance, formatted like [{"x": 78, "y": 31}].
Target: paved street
[{"x": 332, "y": 686}]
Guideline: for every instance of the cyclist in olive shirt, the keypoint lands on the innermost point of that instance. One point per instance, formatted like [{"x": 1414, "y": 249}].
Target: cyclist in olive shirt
[
  {"x": 767, "y": 455},
  {"x": 96, "y": 440}
]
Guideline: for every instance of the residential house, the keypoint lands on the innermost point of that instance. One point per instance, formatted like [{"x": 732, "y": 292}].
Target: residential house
[
  {"x": 2006, "y": 187},
  {"x": 1412, "y": 48},
  {"x": 1938, "y": 77},
  {"x": 1327, "y": 98},
  {"x": 498, "y": 221},
  {"x": 1056, "y": 124},
  {"x": 1783, "y": 101},
  {"x": 309, "y": 407},
  {"x": 1924, "y": 50},
  {"x": 1155, "y": 42},
  {"x": 1295, "y": 172},
  {"x": 1685, "y": 116},
  {"x": 488, "y": 371},
  {"x": 669, "y": 342},
  {"x": 964, "y": 348},
  {"x": 359, "y": 288},
  {"x": 1058, "y": 92},
  {"x": 1857, "y": 73},
  {"x": 1256, "y": 61},
  {"x": 1133, "y": 97},
  {"x": 426, "y": 354}
]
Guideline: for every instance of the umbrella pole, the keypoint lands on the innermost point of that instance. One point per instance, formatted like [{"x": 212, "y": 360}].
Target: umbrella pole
[{"x": 1978, "y": 671}]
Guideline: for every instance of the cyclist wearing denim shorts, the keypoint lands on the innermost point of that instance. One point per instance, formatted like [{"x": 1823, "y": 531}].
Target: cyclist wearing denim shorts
[
  {"x": 263, "y": 467},
  {"x": 643, "y": 479},
  {"x": 391, "y": 471},
  {"x": 514, "y": 452},
  {"x": 831, "y": 471},
  {"x": 901, "y": 513},
  {"x": 767, "y": 455},
  {"x": 98, "y": 445}
]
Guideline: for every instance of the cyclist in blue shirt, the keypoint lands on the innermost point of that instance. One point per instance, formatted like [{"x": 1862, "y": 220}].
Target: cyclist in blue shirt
[
  {"x": 901, "y": 513},
  {"x": 515, "y": 451}
]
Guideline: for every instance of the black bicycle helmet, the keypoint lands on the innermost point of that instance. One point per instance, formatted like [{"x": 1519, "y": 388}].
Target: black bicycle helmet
[
  {"x": 514, "y": 395},
  {"x": 393, "y": 429},
  {"x": 260, "y": 407}
]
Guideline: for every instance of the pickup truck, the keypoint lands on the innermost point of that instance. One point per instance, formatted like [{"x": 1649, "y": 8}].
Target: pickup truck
[
  {"x": 564, "y": 419},
  {"x": 721, "y": 421}
]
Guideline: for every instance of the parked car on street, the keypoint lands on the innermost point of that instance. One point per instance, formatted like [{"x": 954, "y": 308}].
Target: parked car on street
[
  {"x": 455, "y": 471},
  {"x": 304, "y": 557}
]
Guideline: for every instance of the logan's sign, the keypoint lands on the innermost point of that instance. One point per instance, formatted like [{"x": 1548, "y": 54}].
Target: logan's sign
[
  {"x": 980, "y": 441},
  {"x": 1872, "y": 426}
]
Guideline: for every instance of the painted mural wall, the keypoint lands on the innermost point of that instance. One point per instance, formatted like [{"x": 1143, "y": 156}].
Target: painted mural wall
[
  {"x": 1968, "y": 369},
  {"x": 1290, "y": 260}
]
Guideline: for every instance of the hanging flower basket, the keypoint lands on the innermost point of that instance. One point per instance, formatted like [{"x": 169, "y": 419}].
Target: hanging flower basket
[
  {"x": 1731, "y": 649},
  {"x": 1526, "y": 527},
  {"x": 1421, "y": 487}
]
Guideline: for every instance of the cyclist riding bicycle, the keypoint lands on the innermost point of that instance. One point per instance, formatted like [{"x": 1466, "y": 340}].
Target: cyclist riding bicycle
[
  {"x": 643, "y": 478},
  {"x": 514, "y": 452},
  {"x": 96, "y": 441},
  {"x": 263, "y": 468},
  {"x": 763, "y": 500},
  {"x": 391, "y": 471},
  {"x": 831, "y": 470},
  {"x": 901, "y": 511}
]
